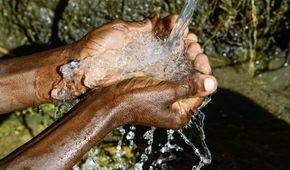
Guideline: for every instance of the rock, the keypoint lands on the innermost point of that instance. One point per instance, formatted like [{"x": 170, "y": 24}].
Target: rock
[{"x": 270, "y": 90}]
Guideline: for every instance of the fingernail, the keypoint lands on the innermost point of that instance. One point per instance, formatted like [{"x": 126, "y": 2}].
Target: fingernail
[{"x": 209, "y": 84}]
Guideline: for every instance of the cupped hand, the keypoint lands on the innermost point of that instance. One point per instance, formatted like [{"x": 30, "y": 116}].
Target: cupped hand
[
  {"x": 158, "y": 103},
  {"x": 203, "y": 80},
  {"x": 114, "y": 36},
  {"x": 111, "y": 36},
  {"x": 148, "y": 101}
]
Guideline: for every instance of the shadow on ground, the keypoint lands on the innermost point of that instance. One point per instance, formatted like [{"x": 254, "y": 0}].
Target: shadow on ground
[{"x": 239, "y": 134}]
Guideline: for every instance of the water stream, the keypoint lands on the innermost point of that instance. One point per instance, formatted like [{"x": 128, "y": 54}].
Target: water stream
[{"x": 181, "y": 24}]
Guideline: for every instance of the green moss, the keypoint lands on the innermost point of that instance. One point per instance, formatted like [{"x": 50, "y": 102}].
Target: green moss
[
  {"x": 21, "y": 126},
  {"x": 12, "y": 134},
  {"x": 25, "y": 22}
]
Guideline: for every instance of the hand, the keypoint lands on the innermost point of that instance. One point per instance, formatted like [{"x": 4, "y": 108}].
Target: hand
[
  {"x": 113, "y": 36},
  {"x": 99, "y": 42},
  {"x": 164, "y": 105},
  {"x": 149, "y": 101},
  {"x": 145, "y": 101}
]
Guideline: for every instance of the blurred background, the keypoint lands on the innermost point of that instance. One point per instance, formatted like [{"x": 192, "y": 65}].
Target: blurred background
[{"x": 248, "y": 42}]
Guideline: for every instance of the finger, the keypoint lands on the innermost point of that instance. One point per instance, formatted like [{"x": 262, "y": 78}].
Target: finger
[
  {"x": 164, "y": 26},
  {"x": 193, "y": 50},
  {"x": 190, "y": 38},
  {"x": 154, "y": 17},
  {"x": 143, "y": 26},
  {"x": 181, "y": 116},
  {"x": 168, "y": 92},
  {"x": 183, "y": 110},
  {"x": 169, "y": 22},
  {"x": 197, "y": 85},
  {"x": 202, "y": 64},
  {"x": 205, "y": 84},
  {"x": 137, "y": 83},
  {"x": 188, "y": 105}
]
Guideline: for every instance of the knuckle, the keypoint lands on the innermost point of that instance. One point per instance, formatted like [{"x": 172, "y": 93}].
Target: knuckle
[
  {"x": 195, "y": 47},
  {"x": 192, "y": 37},
  {"x": 191, "y": 86},
  {"x": 182, "y": 90}
]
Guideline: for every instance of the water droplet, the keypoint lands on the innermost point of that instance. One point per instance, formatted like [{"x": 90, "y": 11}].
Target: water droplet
[
  {"x": 130, "y": 135},
  {"x": 132, "y": 127}
]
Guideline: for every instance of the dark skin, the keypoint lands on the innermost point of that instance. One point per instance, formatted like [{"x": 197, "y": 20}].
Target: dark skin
[{"x": 142, "y": 100}]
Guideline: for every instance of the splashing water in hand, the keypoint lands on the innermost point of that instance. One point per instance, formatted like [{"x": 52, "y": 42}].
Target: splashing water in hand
[{"x": 154, "y": 57}]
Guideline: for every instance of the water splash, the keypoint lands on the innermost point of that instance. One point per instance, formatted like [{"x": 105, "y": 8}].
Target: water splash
[
  {"x": 203, "y": 153},
  {"x": 130, "y": 137},
  {"x": 143, "y": 54},
  {"x": 168, "y": 145},
  {"x": 153, "y": 57},
  {"x": 166, "y": 151},
  {"x": 205, "y": 158},
  {"x": 149, "y": 135},
  {"x": 197, "y": 119},
  {"x": 91, "y": 162},
  {"x": 119, "y": 151}
]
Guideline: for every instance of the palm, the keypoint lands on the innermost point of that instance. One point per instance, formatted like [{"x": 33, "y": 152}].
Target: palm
[{"x": 112, "y": 36}]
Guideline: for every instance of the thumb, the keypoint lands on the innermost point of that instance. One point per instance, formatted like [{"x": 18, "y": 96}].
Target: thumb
[
  {"x": 158, "y": 90},
  {"x": 199, "y": 86}
]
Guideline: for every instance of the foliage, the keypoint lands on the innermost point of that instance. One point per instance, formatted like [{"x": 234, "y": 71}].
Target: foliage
[
  {"x": 231, "y": 32},
  {"x": 253, "y": 31}
]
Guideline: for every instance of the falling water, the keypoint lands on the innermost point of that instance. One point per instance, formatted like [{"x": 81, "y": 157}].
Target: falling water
[
  {"x": 205, "y": 157},
  {"x": 130, "y": 137},
  {"x": 198, "y": 118},
  {"x": 181, "y": 24},
  {"x": 119, "y": 151},
  {"x": 149, "y": 135},
  {"x": 143, "y": 54},
  {"x": 165, "y": 150}
]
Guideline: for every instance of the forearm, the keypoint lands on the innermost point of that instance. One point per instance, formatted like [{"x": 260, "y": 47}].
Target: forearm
[
  {"x": 65, "y": 142},
  {"x": 28, "y": 81},
  {"x": 138, "y": 101}
]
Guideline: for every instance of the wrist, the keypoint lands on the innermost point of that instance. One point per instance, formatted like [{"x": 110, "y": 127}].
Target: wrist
[
  {"x": 48, "y": 75},
  {"x": 69, "y": 84},
  {"x": 114, "y": 102}
]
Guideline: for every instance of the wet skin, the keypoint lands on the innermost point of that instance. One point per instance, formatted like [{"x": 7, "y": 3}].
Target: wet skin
[{"x": 141, "y": 100}]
